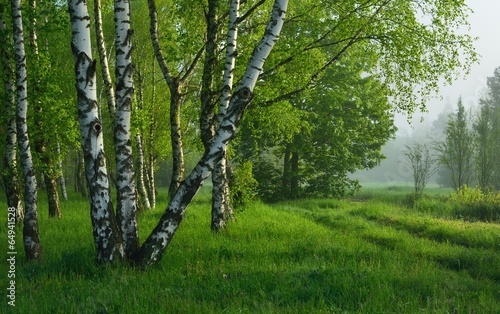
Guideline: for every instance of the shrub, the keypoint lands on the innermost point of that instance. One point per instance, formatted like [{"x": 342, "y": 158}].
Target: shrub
[
  {"x": 472, "y": 203},
  {"x": 243, "y": 186}
]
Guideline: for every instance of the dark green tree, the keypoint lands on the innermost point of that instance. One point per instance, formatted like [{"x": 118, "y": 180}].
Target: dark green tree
[{"x": 337, "y": 130}]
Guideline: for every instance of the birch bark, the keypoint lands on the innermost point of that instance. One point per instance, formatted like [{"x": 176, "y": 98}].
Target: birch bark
[
  {"x": 141, "y": 170},
  {"x": 154, "y": 247},
  {"x": 10, "y": 175},
  {"x": 221, "y": 205},
  {"x": 62, "y": 181},
  {"x": 31, "y": 236},
  {"x": 126, "y": 210},
  {"x": 106, "y": 233},
  {"x": 103, "y": 59}
]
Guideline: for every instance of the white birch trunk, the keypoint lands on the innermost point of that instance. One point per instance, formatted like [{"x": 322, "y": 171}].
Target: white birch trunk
[
  {"x": 221, "y": 205},
  {"x": 150, "y": 168},
  {"x": 9, "y": 174},
  {"x": 176, "y": 140},
  {"x": 107, "y": 236},
  {"x": 103, "y": 58},
  {"x": 126, "y": 210},
  {"x": 141, "y": 170},
  {"x": 154, "y": 247},
  {"x": 31, "y": 236},
  {"x": 150, "y": 176},
  {"x": 62, "y": 181}
]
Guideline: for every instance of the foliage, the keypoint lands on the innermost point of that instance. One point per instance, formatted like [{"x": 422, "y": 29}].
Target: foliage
[
  {"x": 468, "y": 203},
  {"x": 242, "y": 184},
  {"x": 468, "y": 195},
  {"x": 332, "y": 132}
]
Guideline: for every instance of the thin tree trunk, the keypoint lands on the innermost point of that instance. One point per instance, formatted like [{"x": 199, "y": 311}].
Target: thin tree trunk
[
  {"x": 107, "y": 235},
  {"x": 176, "y": 140},
  {"x": 155, "y": 245},
  {"x": 141, "y": 186},
  {"x": 286, "y": 171},
  {"x": 9, "y": 173},
  {"x": 221, "y": 202},
  {"x": 294, "y": 175},
  {"x": 80, "y": 176},
  {"x": 62, "y": 181},
  {"x": 149, "y": 168},
  {"x": 48, "y": 173},
  {"x": 53, "y": 196},
  {"x": 103, "y": 58},
  {"x": 207, "y": 117},
  {"x": 150, "y": 171},
  {"x": 176, "y": 85},
  {"x": 32, "y": 245}
]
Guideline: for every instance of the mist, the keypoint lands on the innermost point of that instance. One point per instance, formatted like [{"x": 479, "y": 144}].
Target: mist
[{"x": 484, "y": 25}]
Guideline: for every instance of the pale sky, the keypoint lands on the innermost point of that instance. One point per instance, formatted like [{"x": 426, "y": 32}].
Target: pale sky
[{"x": 485, "y": 24}]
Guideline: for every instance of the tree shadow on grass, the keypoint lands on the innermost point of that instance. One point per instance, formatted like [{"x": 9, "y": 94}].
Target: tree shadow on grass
[{"x": 77, "y": 263}]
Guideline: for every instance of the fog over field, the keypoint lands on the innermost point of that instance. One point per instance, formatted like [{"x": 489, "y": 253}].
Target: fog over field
[{"x": 484, "y": 24}]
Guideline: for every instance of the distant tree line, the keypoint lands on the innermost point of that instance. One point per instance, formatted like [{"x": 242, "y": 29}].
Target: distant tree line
[{"x": 466, "y": 152}]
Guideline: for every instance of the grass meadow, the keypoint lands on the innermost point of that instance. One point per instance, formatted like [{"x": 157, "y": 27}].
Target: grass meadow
[{"x": 370, "y": 253}]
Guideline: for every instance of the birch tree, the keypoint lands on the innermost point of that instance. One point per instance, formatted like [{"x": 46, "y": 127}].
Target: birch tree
[
  {"x": 221, "y": 203},
  {"x": 106, "y": 233},
  {"x": 125, "y": 179},
  {"x": 31, "y": 238},
  {"x": 10, "y": 175},
  {"x": 153, "y": 248}
]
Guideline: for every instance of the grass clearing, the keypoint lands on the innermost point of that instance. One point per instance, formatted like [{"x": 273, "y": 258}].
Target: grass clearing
[{"x": 364, "y": 254}]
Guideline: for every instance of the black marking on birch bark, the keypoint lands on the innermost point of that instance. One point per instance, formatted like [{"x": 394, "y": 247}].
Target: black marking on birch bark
[
  {"x": 128, "y": 37},
  {"x": 97, "y": 127},
  {"x": 90, "y": 73}
]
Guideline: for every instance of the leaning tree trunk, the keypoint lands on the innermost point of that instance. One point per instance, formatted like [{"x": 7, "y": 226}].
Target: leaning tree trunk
[
  {"x": 31, "y": 236},
  {"x": 127, "y": 203},
  {"x": 155, "y": 245},
  {"x": 9, "y": 173},
  {"x": 221, "y": 205},
  {"x": 107, "y": 236}
]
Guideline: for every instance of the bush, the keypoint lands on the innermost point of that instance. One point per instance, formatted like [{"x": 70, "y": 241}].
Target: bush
[
  {"x": 243, "y": 186},
  {"x": 472, "y": 203}
]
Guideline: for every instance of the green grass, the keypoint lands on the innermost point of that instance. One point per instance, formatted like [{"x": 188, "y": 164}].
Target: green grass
[{"x": 366, "y": 254}]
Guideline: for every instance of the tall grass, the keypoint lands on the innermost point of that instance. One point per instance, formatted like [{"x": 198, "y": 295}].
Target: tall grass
[{"x": 334, "y": 256}]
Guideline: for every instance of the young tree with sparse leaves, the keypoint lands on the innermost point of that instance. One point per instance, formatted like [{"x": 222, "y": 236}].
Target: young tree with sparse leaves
[{"x": 421, "y": 163}]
